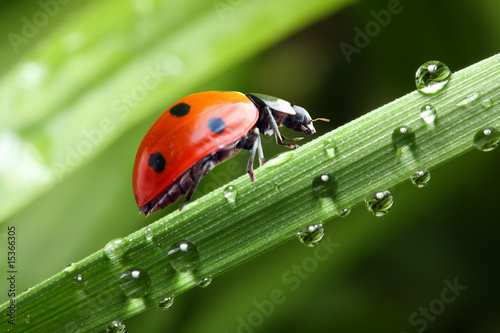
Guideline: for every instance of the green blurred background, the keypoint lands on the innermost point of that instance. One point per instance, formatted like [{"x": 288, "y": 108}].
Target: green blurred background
[{"x": 383, "y": 271}]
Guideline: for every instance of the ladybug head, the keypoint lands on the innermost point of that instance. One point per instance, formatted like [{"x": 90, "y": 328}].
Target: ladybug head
[{"x": 301, "y": 121}]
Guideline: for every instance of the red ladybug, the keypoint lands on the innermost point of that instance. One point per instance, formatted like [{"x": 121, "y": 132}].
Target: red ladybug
[{"x": 200, "y": 131}]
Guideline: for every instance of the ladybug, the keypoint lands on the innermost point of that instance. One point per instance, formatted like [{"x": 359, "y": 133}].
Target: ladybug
[{"x": 202, "y": 130}]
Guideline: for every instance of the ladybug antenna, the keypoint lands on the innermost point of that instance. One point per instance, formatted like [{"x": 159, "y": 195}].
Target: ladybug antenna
[{"x": 326, "y": 120}]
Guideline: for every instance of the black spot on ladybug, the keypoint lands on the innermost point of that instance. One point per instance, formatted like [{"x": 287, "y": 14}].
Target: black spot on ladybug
[
  {"x": 157, "y": 162},
  {"x": 180, "y": 110},
  {"x": 216, "y": 125}
]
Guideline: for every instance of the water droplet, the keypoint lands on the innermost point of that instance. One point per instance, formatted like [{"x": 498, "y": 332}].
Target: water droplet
[
  {"x": 116, "y": 327},
  {"x": 380, "y": 202},
  {"x": 487, "y": 103},
  {"x": 79, "y": 282},
  {"x": 205, "y": 282},
  {"x": 344, "y": 212},
  {"x": 312, "y": 235},
  {"x": 148, "y": 234},
  {"x": 135, "y": 283},
  {"x": 184, "y": 256},
  {"x": 403, "y": 136},
  {"x": 330, "y": 146},
  {"x": 230, "y": 193},
  {"x": 279, "y": 160},
  {"x": 277, "y": 186},
  {"x": 166, "y": 302},
  {"x": 469, "y": 99},
  {"x": 325, "y": 185},
  {"x": 428, "y": 113},
  {"x": 432, "y": 77},
  {"x": 27, "y": 320},
  {"x": 421, "y": 177},
  {"x": 116, "y": 248},
  {"x": 70, "y": 268},
  {"x": 487, "y": 139}
]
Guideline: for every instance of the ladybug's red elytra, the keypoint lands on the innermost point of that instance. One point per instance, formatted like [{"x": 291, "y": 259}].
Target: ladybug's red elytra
[{"x": 202, "y": 130}]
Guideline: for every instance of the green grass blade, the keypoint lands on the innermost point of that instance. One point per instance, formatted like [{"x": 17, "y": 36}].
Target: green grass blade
[{"x": 271, "y": 210}]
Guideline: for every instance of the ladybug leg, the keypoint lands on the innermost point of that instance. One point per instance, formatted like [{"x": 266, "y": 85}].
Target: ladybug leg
[
  {"x": 256, "y": 145},
  {"x": 262, "y": 160},
  {"x": 277, "y": 134},
  {"x": 205, "y": 168},
  {"x": 292, "y": 139}
]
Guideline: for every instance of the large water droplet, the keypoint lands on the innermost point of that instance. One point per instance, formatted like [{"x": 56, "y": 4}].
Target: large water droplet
[
  {"x": 116, "y": 248},
  {"x": 116, "y": 327},
  {"x": 312, "y": 235},
  {"x": 344, "y": 212},
  {"x": 230, "y": 193},
  {"x": 487, "y": 139},
  {"x": 428, "y": 113},
  {"x": 330, "y": 146},
  {"x": 184, "y": 256},
  {"x": 421, "y": 177},
  {"x": 432, "y": 77},
  {"x": 80, "y": 282},
  {"x": 403, "y": 136},
  {"x": 469, "y": 99},
  {"x": 325, "y": 185},
  {"x": 166, "y": 302},
  {"x": 380, "y": 202},
  {"x": 135, "y": 283},
  {"x": 203, "y": 283}
]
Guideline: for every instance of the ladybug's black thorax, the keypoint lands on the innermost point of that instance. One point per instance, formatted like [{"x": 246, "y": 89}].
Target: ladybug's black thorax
[{"x": 264, "y": 124}]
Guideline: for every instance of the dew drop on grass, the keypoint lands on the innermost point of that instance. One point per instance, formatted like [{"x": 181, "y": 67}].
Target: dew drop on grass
[
  {"x": 428, "y": 113},
  {"x": 148, "y": 234},
  {"x": 184, "y": 256},
  {"x": 487, "y": 103},
  {"x": 116, "y": 327},
  {"x": 403, "y": 136},
  {"x": 344, "y": 212},
  {"x": 329, "y": 146},
  {"x": 166, "y": 302},
  {"x": 80, "y": 282},
  {"x": 279, "y": 160},
  {"x": 487, "y": 139},
  {"x": 379, "y": 203},
  {"x": 469, "y": 99},
  {"x": 312, "y": 235},
  {"x": 135, "y": 283},
  {"x": 325, "y": 185},
  {"x": 230, "y": 193},
  {"x": 431, "y": 77},
  {"x": 203, "y": 283},
  {"x": 70, "y": 268},
  {"x": 420, "y": 178},
  {"x": 116, "y": 248}
]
